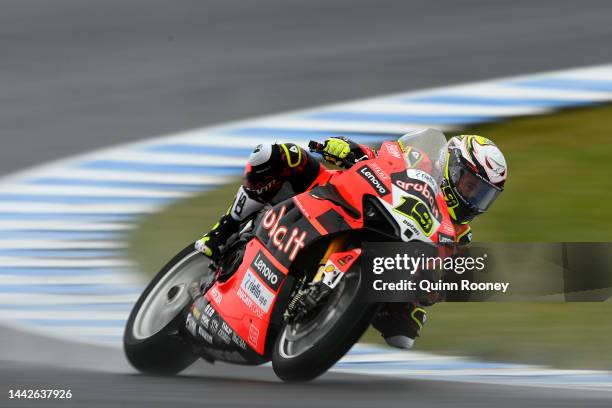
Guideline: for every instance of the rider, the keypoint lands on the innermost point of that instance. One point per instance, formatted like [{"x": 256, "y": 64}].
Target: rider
[{"x": 475, "y": 175}]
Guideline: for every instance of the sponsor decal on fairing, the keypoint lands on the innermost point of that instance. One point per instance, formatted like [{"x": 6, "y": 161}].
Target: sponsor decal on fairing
[
  {"x": 369, "y": 175},
  {"x": 255, "y": 294},
  {"x": 267, "y": 271}
]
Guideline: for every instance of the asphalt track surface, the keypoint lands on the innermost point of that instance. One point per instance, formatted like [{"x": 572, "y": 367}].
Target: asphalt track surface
[{"x": 75, "y": 76}]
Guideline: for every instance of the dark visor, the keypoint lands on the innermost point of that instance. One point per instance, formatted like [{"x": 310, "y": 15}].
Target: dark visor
[{"x": 478, "y": 192}]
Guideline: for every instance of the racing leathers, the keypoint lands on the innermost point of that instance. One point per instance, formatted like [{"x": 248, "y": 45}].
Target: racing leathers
[{"x": 269, "y": 167}]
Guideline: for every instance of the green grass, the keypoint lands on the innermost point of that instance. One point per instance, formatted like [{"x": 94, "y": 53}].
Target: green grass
[{"x": 559, "y": 189}]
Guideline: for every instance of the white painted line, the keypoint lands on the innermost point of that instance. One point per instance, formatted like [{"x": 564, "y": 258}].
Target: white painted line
[
  {"x": 64, "y": 263},
  {"x": 180, "y": 159},
  {"x": 77, "y": 330},
  {"x": 497, "y": 90},
  {"x": 86, "y": 191},
  {"x": 438, "y": 109},
  {"x": 64, "y": 314},
  {"x": 57, "y": 244},
  {"x": 594, "y": 74},
  {"x": 95, "y": 279},
  {"x": 106, "y": 208},
  {"x": 135, "y": 176},
  {"x": 16, "y": 299},
  {"x": 18, "y": 225},
  {"x": 203, "y": 139},
  {"x": 388, "y": 354},
  {"x": 346, "y": 126}
]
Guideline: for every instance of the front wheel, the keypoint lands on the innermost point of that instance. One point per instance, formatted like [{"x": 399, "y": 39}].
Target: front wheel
[
  {"x": 306, "y": 349},
  {"x": 151, "y": 341}
]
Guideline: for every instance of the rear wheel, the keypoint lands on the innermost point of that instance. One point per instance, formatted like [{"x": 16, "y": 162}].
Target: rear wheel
[
  {"x": 308, "y": 347},
  {"x": 151, "y": 340}
]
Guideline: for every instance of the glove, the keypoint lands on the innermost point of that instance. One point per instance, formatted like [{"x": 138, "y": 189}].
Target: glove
[
  {"x": 335, "y": 149},
  {"x": 200, "y": 246}
]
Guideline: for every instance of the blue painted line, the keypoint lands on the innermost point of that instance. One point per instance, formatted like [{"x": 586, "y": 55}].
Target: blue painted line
[
  {"x": 508, "y": 102},
  {"x": 69, "y": 199},
  {"x": 45, "y": 272},
  {"x": 358, "y": 351},
  {"x": 84, "y": 289},
  {"x": 236, "y": 151},
  {"x": 419, "y": 365},
  {"x": 565, "y": 83},
  {"x": 403, "y": 118},
  {"x": 287, "y": 135},
  {"x": 64, "y": 235},
  {"x": 59, "y": 253},
  {"x": 68, "y": 216},
  {"x": 131, "y": 185},
  {"x": 96, "y": 307},
  {"x": 76, "y": 322},
  {"x": 162, "y": 168}
]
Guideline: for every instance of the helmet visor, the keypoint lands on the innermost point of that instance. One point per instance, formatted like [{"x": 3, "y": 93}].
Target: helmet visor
[{"x": 475, "y": 190}]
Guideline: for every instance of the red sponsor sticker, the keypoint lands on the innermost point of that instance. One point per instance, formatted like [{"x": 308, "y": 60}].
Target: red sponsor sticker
[{"x": 253, "y": 335}]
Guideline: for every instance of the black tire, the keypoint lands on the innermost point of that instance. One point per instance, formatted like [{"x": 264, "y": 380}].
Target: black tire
[
  {"x": 162, "y": 352},
  {"x": 330, "y": 343}
]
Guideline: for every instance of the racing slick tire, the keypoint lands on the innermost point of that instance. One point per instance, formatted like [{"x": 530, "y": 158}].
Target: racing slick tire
[
  {"x": 303, "y": 352},
  {"x": 152, "y": 340}
]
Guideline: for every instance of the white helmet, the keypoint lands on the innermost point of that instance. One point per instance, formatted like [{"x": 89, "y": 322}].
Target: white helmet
[{"x": 476, "y": 171}]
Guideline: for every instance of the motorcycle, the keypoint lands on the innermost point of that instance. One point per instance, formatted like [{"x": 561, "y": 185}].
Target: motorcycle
[{"x": 289, "y": 285}]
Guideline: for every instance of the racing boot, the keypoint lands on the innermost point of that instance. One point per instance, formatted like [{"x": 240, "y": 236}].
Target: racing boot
[
  {"x": 400, "y": 323},
  {"x": 242, "y": 207},
  {"x": 212, "y": 242}
]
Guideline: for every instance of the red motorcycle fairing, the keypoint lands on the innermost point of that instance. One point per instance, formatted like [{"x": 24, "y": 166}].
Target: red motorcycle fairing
[
  {"x": 233, "y": 318},
  {"x": 237, "y": 312}
]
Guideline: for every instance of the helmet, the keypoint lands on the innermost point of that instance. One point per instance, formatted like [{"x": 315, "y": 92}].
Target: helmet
[{"x": 475, "y": 174}]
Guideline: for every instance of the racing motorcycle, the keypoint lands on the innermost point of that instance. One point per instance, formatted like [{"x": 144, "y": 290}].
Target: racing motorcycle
[{"x": 289, "y": 285}]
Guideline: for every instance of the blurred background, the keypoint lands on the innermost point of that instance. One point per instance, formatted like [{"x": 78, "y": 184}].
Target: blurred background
[{"x": 77, "y": 76}]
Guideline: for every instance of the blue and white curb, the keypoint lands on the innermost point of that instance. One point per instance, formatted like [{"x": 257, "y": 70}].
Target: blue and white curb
[
  {"x": 380, "y": 361},
  {"x": 63, "y": 267}
]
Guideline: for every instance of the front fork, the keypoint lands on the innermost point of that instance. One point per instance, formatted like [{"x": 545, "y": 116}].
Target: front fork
[
  {"x": 335, "y": 245},
  {"x": 335, "y": 262},
  {"x": 332, "y": 267}
]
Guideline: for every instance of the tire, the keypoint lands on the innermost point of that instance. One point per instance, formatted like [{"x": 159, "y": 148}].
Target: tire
[
  {"x": 151, "y": 341},
  {"x": 304, "y": 353}
]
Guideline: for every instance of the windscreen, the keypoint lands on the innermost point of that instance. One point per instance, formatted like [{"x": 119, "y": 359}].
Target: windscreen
[{"x": 432, "y": 143}]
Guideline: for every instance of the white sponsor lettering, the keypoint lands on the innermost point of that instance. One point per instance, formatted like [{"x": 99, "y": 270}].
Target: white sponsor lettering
[
  {"x": 265, "y": 270},
  {"x": 380, "y": 172},
  {"x": 424, "y": 177},
  {"x": 216, "y": 295},
  {"x": 205, "y": 335},
  {"x": 257, "y": 291},
  {"x": 278, "y": 233},
  {"x": 250, "y": 304},
  {"x": 238, "y": 341},
  {"x": 382, "y": 190},
  {"x": 191, "y": 324}
]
